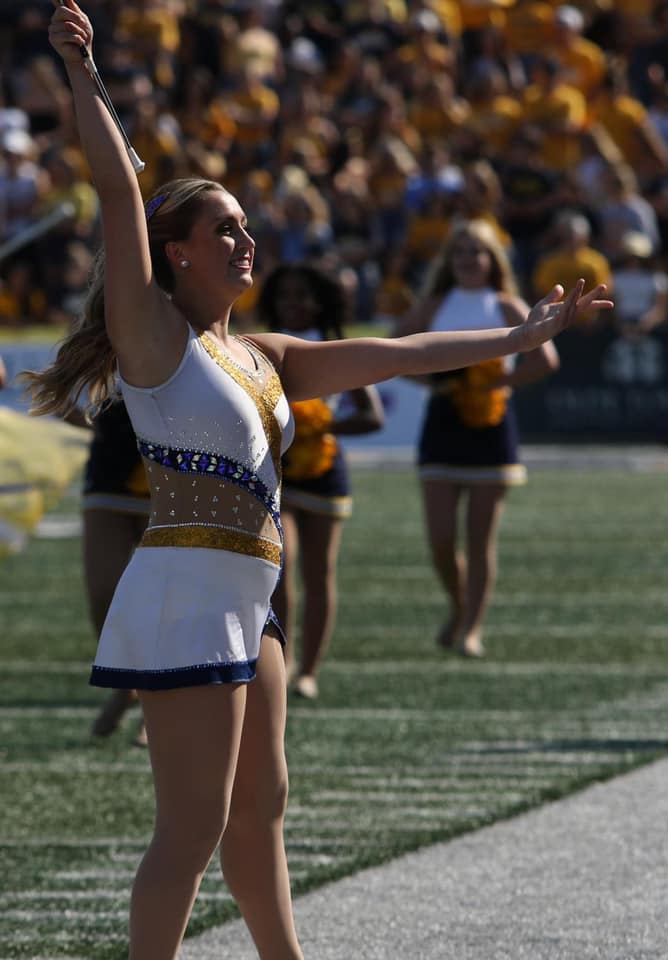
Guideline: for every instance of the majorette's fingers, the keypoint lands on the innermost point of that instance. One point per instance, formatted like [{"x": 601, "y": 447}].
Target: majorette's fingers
[
  {"x": 589, "y": 298},
  {"x": 70, "y": 14},
  {"x": 67, "y": 32},
  {"x": 554, "y": 295},
  {"x": 569, "y": 305}
]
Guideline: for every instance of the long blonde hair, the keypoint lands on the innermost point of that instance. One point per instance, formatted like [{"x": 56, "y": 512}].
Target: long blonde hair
[
  {"x": 440, "y": 278},
  {"x": 85, "y": 362}
]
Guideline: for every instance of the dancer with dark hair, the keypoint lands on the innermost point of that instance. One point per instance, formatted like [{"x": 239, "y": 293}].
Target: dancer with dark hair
[
  {"x": 115, "y": 513},
  {"x": 303, "y": 300},
  {"x": 190, "y": 625}
]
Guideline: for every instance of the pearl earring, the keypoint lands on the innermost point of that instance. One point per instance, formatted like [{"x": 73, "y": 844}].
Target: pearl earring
[{"x": 184, "y": 264}]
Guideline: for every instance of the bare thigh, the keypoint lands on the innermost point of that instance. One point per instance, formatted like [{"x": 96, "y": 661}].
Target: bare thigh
[
  {"x": 320, "y": 539},
  {"x": 194, "y": 735},
  {"x": 440, "y": 501},
  {"x": 261, "y": 776}
]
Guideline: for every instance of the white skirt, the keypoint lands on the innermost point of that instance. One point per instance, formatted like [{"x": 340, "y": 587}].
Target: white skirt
[{"x": 185, "y": 616}]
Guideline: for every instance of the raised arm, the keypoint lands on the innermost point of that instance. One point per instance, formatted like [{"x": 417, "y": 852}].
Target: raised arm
[
  {"x": 316, "y": 369},
  {"x": 137, "y": 313}
]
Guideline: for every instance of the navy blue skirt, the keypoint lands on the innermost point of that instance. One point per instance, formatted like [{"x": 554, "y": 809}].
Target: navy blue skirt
[
  {"x": 451, "y": 450},
  {"x": 328, "y": 494}
]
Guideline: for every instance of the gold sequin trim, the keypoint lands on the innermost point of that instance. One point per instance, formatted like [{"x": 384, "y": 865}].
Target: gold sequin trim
[
  {"x": 265, "y": 400},
  {"x": 212, "y": 538}
]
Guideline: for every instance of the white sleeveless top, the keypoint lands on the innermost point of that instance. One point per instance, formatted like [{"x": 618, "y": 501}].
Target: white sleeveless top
[
  {"x": 469, "y": 310},
  {"x": 215, "y": 407}
]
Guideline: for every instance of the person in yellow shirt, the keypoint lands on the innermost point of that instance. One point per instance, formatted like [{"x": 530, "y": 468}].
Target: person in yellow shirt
[
  {"x": 558, "y": 109},
  {"x": 426, "y": 45},
  {"x": 254, "y": 107},
  {"x": 435, "y": 111},
  {"x": 528, "y": 27},
  {"x": 573, "y": 257},
  {"x": 66, "y": 186},
  {"x": 582, "y": 62},
  {"x": 495, "y": 115},
  {"x": 629, "y": 125},
  {"x": 153, "y": 28}
]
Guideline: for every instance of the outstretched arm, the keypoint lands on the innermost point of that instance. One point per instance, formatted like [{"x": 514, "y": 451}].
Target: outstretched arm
[{"x": 315, "y": 369}]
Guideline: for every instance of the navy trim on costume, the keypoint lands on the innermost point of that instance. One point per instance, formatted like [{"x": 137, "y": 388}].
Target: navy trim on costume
[
  {"x": 273, "y": 621},
  {"x": 211, "y": 464},
  {"x": 207, "y": 673}
]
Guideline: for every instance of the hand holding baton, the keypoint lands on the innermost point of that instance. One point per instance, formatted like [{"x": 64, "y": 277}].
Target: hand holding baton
[{"x": 106, "y": 99}]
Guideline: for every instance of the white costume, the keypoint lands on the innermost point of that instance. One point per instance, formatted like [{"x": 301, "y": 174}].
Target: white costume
[{"x": 194, "y": 600}]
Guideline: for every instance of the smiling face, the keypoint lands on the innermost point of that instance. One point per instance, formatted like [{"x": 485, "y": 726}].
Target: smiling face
[
  {"x": 471, "y": 262},
  {"x": 219, "y": 249}
]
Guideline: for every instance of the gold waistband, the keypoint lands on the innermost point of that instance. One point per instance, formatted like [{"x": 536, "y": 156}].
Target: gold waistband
[{"x": 212, "y": 538}]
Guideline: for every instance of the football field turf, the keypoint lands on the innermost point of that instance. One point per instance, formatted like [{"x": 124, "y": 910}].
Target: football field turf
[{"x": 406, "y": 745}]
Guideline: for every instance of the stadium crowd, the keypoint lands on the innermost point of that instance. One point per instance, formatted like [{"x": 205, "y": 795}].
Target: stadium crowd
[{"x": 355, "y": 134}]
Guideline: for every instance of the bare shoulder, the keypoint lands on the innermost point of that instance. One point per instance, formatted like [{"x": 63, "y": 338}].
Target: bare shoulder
[
  {"x": 273, "y": 345},
  {"x": 514, "y": 309}
]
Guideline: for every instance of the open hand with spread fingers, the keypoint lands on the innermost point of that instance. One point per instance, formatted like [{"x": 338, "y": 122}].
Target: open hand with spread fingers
[{"x": 551, "y": 315}]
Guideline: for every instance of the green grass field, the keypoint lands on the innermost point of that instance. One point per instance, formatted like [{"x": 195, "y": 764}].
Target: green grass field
[{"x": 406, "y": 745}]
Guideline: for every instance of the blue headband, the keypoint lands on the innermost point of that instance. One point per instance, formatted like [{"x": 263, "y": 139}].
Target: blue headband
[{"x": 153, "y": 204}]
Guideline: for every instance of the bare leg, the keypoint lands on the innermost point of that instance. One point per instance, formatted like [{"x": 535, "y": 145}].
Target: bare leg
[
  {"x": 194, "y": 735},
  {"x": 320, "y": 539},
  {"x": 284, "y": 599},
  {"x": 485, "y": 508},
  {"x": 252, "y": 850},
  {"x": 109, "y": 539},
  {"x": 440, "y": 501}
]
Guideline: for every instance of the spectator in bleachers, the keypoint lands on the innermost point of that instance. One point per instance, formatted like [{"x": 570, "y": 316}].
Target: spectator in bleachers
[
  {"x": 489, "y": 48},
  {"x": 598, "y": 153},
  {"x": 303, "y": 221},
  {"x": 151, "y": 27},
  {"x": 23, "y": 182},
  {"x": 641, "y": 290},
  {"x": 624, "y": 209},
  {"x": 156, "y": 138},
  {"x": 356, "y": 232},
  {"x": 569, "y": 256},
  {"x": 558, "y": 108},
  {"x": 629, "y": 125},
  {"x": 495, "y": 115},
  {"x": 391, "y": 165},
  {"x": 528, "y": 28},
  {"x": 434, "y": 108},
  {"x": 39, "y": 90},
  {"x": 649, "y": 58},
  {"x": 257, "y": 45},
  {"x": 66, "y": 185},
  {"x": 306, "y": 124},
  {"x": 529, "y": 198},
  {"x": 582, "y": 62}
]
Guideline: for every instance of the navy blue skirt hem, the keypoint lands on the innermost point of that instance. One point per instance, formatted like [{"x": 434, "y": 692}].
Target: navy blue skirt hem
[{"x": 173, "y": 679}]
